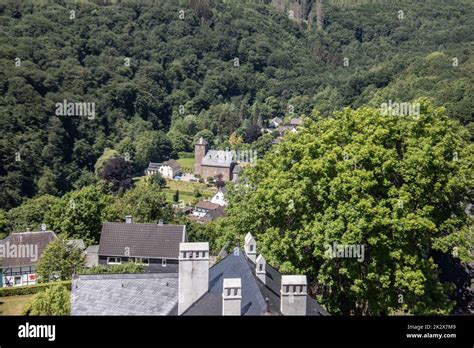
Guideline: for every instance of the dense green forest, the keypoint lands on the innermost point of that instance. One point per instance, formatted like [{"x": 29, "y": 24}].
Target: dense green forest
[
  {"x": 163, "y": 72},
  {"x": 160, "y": 74}
]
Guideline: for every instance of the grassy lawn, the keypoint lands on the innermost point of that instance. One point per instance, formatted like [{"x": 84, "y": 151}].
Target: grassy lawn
[
  {"x": 186, "y": 190},
  {"x": 186, "y": 162},
  {"x": 14, "y": 305}
]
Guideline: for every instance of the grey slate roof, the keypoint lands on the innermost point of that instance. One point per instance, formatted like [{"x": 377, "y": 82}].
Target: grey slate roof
[
  {"x": 254, "y": 292},
  {"x": 154, "y": 166},
  {"x": 213, "y": 214},
  {"x": 277, "y": 120},
  {"x": 218, "y": 158},
  {"x": 296, "y": 122},
  {"x": 172, "y": 163},
  {"x": 207, "y": 205},
  {"x": 142, "y": 240},
  {"x": 78, "y": 243},
  {"x": 37, "y": 240},
  {"x": 124, "y": 294}
]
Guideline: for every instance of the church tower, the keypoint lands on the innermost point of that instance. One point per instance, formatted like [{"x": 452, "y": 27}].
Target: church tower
[{"x": 200, "y": 150}]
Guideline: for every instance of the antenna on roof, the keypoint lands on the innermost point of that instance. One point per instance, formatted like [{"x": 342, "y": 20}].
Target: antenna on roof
[{"x": 43, "y": 227}]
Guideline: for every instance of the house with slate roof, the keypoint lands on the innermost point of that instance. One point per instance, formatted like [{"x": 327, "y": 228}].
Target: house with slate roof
[
  {"x": 239, "y": 284},
  {"x": 275, "y": 122},
  {"x": 212, "y": 163},
  {"x": 219, "y": 197},
  {"x": 168, "y": 169},
  {"x": 154, "y": 245},
  {"x": 19, "y": 255}
]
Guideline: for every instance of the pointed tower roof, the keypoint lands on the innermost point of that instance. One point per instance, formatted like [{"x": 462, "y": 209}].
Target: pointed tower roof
[{"x": 248, "y": 237}]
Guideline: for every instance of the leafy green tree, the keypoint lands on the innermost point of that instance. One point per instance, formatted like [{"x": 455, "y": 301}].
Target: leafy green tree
[
  {"x": 176, "y": 196},
  {"x": 30, "y": 214},
  {"x": 222, "y": 119},
  {"x": 397, "y": 185},
  {"x": 145, "y": 203},
  {"x": 158, "y": 180},
  {"x": 47, "y": 183},
  {"x": 152, "y": 146},
  {"x": 206, "y": 134},
  {"x": 262, "y": 145},
  {"x": 78, "y": 214},
  {"x": 197, "y": 193},
  {"x": 54, "y": 300},
  {"x": 60, "y": 260}
]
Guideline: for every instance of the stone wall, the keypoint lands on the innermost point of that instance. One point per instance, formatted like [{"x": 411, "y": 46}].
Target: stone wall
[{"x": 207, "y": 171}]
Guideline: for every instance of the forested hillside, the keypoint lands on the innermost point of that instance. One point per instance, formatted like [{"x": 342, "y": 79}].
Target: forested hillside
[{"x": 163, "y": 72}]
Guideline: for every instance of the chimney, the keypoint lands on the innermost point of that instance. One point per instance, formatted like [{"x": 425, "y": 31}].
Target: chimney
[
  {"x": 260, "y": 269},
  {"x": 160, "y": 222},
  {"x": 193, "y": 273},
  {"x": 250, "y": 247},
  {"x": 128, "y": 219},
  {"x": 293, "y": 295},
  {"x": 232, "y": 296}
]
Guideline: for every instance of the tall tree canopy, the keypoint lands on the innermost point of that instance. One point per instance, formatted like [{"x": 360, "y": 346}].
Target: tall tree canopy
[{"x": 398, "y": 185}]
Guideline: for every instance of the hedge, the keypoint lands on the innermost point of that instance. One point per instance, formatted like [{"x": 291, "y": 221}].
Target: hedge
[{"x": 31, "y": 289}]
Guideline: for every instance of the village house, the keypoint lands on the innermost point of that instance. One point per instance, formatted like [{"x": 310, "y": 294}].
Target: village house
[
  {"x": 19, "y": 255},
  {"x": 168, "y": 169},
  {"x": 212, "y": 163},
  {"x": 206, "y": 211},
  {"x": 275, "y": 122},
  {"x": 296, "y": 122},
  {"x": 241, "y": 283},
  {"x": 219, "y": 197},
  {"x": 156, "y": 246}
]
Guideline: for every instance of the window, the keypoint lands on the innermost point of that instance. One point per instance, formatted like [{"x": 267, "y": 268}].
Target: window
[
  {"x": 145, "y": 262},
  {"x": 114, "y": 260},
  {"x": 235, "y": 292},
  {"x": 17, "y": 280},
  {"x": 260, "y": 267},
  {"x": 251, "y": 247},
  {"x": 163, "y": 262}
]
